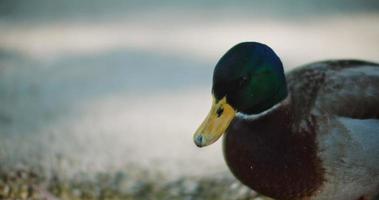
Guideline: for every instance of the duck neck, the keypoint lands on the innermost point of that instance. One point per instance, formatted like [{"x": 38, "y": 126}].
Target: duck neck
[
  {"x": 275, "y": 107},
  {"x": 266, "y": 154}
]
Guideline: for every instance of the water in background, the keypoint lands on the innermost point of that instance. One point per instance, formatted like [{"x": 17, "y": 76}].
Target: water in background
[{"x": 95, "y": 86}]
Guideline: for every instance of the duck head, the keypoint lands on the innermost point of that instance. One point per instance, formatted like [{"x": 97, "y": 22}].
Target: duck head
[{"x": 248, "y": 79}]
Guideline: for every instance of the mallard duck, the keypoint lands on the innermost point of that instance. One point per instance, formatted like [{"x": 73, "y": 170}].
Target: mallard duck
[{"x": 312, "y": 133}]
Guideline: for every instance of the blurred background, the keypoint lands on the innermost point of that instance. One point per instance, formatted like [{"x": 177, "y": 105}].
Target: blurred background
[{"x": 118, "y": 87}]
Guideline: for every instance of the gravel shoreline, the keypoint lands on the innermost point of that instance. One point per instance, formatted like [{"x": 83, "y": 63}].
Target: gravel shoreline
[{"x": 24, "y": 183}]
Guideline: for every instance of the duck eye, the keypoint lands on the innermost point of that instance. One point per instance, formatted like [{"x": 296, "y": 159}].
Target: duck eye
[
  {"x": 219, "y": 111},
  {"x": 242, "y": 80}
]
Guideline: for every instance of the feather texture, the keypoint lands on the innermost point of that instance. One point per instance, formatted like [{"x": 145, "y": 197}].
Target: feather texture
[
  {"x": 321, "y": 143},
  {"x": 343, "y": 97}
]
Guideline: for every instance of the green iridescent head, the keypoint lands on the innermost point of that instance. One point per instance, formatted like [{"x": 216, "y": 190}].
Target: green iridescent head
[
  {"x": 248, "y": 79},
  {"x": 251, "y": 77}
]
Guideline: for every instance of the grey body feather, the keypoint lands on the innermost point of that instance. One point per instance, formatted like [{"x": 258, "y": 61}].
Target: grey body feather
[{"x": 342, "y": 97}]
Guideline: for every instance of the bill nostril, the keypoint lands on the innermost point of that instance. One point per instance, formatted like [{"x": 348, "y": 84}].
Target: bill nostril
[{"x": 199, "y": 140}]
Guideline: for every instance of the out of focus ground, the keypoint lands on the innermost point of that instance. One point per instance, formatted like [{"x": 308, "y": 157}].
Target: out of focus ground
[{"x": 22, "y": 183}]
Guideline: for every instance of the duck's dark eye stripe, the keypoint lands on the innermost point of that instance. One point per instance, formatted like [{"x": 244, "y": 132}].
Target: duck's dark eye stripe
[{"x": 219, "y": 111}]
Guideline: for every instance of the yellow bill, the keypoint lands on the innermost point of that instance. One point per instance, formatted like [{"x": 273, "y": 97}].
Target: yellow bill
[{"x": 215, "y": 124}]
